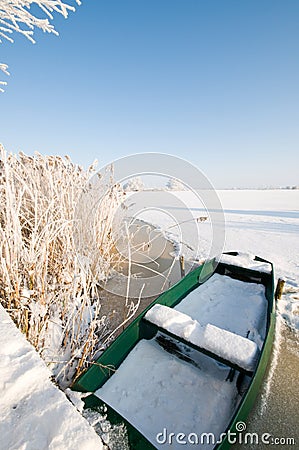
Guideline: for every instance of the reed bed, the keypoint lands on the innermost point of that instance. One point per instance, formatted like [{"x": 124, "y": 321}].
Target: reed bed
[{"x": 49, "y": 274}]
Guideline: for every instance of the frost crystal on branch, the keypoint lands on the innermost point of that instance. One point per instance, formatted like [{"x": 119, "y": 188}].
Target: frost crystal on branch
[
  {"x": 15, "y": 16},
  {"x": 4, "y": 68}
]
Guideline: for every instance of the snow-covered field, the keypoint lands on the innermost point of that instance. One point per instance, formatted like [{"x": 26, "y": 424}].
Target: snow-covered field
[{"x": 264, "y": 223}]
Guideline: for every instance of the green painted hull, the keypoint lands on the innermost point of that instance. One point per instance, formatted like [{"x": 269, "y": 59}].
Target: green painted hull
[{"x": 111, "y": 358}]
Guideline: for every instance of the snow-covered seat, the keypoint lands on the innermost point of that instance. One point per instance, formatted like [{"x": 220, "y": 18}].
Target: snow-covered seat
[{"x": 227, "y": 347}]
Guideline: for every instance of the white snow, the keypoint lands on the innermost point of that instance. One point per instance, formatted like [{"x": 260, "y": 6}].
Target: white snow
[
  {"x": 230, "y": 346},
  {"x": 34, "y": 413},
  {"x": 154, "y": 390},
  {"x": 175, "y": 322},
  {"x": 219, "y": 302},
  {"x": 246, "y": 260},
  {"x": 227, "y": 345},
  {"x": 264, "y": 223}
]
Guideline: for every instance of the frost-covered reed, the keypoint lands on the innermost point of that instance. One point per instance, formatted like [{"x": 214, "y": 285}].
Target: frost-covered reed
[{"x": 47, "y": 286}]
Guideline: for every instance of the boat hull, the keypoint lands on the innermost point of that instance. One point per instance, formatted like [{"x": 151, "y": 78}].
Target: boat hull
[{"x": 115, "y": 354}]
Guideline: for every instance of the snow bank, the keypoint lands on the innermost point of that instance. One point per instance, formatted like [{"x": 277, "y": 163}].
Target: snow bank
[
  {"x": 230, "y": 346},
  {"x": 288, "y": 306},
  {"x": 34, "y": 413}
]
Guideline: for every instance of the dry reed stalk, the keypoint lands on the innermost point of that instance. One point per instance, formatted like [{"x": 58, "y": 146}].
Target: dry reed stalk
[{"x": 49, "y": 294}]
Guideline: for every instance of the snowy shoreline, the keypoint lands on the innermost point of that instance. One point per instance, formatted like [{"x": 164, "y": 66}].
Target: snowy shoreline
[
  {"x": 35, "y": 414},
  {"x": 263, "y": 223}
]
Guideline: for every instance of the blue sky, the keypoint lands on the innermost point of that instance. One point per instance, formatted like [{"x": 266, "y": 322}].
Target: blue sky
[{"x": 214, "y": 82}]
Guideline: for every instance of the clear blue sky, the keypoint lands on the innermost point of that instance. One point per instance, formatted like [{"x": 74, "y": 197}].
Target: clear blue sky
[{"x": 215, "y": 82}]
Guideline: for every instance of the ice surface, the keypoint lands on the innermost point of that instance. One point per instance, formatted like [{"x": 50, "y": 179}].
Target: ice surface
[{"x": 34, "y": 413}]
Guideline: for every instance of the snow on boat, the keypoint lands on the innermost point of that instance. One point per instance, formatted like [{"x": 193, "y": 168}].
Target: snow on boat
[{"x": 188, "y": 369}]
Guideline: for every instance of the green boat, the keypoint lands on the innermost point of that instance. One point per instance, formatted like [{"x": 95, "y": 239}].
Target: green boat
[{"x": 188, "y": 369}]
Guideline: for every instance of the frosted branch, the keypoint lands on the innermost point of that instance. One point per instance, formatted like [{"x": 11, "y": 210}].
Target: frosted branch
[
  {"x": 4, "y": 68},
  {"x": 15, "y": 16}
]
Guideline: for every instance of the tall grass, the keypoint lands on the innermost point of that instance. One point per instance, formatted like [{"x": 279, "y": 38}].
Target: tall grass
[{"x": 48, "y": 278}]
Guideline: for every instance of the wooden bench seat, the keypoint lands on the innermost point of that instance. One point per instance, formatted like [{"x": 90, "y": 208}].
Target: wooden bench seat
[{"x": 222, "y": 345}]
